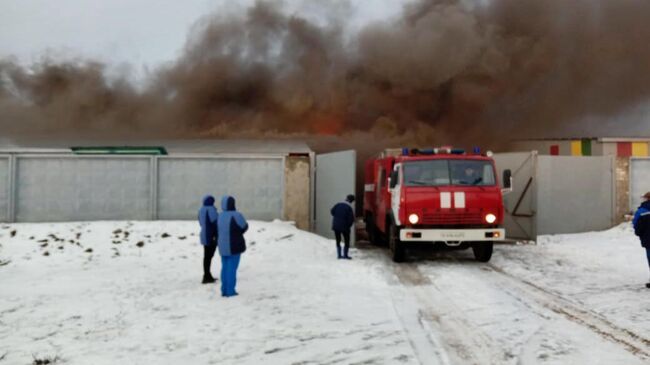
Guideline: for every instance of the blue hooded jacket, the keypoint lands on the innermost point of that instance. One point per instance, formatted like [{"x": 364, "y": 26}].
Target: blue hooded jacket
[
  {"x": 342, "y": 217},
  {"x": 232, "y": 226},
  {"x": 208, "y": 220},
  {"x": 641, "y": 223}
]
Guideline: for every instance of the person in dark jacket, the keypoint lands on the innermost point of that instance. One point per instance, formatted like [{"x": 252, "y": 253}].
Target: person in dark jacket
[
  {"x": 208, "y": 221},
  {"x": 342, "y": 221},
  {"x": 232, "y": 226},
  {"x": 641, "y": 225}
]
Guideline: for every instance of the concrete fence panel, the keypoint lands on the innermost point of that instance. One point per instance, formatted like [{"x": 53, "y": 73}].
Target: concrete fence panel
[
  {"x": 257, "y": 183},
  {"x": 5, "y": 184},
  {"x": 73, "y": 188}
]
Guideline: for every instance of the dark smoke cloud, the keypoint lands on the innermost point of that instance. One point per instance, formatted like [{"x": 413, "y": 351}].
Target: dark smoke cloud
[{"x": 443, "y": 71}]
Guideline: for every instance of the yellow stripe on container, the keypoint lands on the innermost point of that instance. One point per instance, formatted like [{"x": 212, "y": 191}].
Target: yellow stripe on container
[
  {"x": 640, "y": 149},
  {"x": 576, "y": 148}
]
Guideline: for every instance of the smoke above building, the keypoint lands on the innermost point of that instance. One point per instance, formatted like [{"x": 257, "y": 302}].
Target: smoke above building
[{"x": 443, "y": 70}]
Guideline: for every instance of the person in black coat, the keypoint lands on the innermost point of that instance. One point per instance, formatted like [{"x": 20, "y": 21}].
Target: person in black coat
[
  {"x": 209, "y": 232},
  {"x": 342, "y": 221},
  {"x": 641, "y": 225}
]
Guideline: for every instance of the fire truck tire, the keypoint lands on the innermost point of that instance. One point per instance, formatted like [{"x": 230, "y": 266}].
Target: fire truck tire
[
  {"x": 396, "y": 246},
  {"x": 483, "y": 251},
  {"x": 371, "y": 230},
  {"x": 375, "y": 236}
]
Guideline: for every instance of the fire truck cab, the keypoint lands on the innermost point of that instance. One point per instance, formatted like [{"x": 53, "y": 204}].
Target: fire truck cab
[{"x": 441, "y": 196}]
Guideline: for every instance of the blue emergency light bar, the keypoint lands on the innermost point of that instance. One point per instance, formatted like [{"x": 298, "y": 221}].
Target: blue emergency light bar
[{"x": 432, "y": 151}]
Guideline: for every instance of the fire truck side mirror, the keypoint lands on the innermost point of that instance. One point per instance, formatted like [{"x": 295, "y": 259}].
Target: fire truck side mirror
[
  {"x": 507, "y": 179},
  {"x": 393, "y": 179}
]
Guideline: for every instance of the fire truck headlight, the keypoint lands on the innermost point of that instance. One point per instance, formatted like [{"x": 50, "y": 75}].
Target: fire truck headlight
[
  {"x": 490, "y": 218},
  {"x": 414, "y": 218}
]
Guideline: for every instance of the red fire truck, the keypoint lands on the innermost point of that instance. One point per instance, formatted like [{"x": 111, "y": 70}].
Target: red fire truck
[{"x": 440, "y": 196}]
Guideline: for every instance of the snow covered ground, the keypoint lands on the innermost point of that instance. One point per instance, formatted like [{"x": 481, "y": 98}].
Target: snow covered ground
[{"x": 129, "y": 292}]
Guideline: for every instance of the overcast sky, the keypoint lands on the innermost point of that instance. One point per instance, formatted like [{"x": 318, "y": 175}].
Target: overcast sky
[{"x": 137, "y": 32}]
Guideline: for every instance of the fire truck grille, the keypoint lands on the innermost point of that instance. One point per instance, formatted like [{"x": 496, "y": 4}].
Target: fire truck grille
[{"x": 449, "y": 218}]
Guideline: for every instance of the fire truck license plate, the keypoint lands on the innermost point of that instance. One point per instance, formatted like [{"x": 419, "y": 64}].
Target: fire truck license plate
[{"x": 453, "y": 235}]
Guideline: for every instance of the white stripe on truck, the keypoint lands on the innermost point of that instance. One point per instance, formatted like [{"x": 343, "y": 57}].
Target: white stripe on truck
[
  {"x": 445, "y": 200},
  {"x": 459, "y": 199}
]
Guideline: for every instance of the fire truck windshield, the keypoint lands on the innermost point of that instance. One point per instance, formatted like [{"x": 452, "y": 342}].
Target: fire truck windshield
[{"x": 449, "y": 172}]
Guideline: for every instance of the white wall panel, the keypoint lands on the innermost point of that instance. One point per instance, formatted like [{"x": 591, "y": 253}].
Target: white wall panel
[
  {"x": 639, "y": 180},
  {"x": 575, "y": 194},
  {"x": 62, "y": 188},
  {"x": 255, "y": 183},
  {"x": 335, "y": 179}
]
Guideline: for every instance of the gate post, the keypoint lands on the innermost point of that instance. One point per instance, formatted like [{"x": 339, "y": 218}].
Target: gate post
[{"x": 12, "y": 188}]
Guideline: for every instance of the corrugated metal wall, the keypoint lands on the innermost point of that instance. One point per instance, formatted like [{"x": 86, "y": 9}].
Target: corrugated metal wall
[
  {"x": 256, "y": 183},
  {"x": 4, "y": 188},
  {"x": 78, "y": 188}
]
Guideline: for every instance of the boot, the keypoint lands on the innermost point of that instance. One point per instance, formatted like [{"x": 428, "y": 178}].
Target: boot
[
  {"x": 345, "y": 253},
  {"x": 338, "y": 252},
  {"x": 647, "y": 285},
  {"x": 208, "y": 279}
]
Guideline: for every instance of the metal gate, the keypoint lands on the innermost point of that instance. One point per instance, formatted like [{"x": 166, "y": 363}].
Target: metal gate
[
  {"x": 639, "y": 180},
  {"x": 574, "y": 194},
  {"x": 520, "y": 221},
  {"x": 335, "y": 178}
]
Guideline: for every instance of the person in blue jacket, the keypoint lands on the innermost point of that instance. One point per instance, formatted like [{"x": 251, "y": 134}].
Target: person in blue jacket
[
  {"x": 342, "y": 221},
  {"x": 641, "y": 225},
  {"x": 208, "y": 221},
  {"x": 232, "y": 226}
]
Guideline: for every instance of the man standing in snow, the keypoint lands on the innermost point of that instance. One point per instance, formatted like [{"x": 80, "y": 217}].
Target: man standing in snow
[
  {"x": 208, "y": 221},
  {"x": 342, "y": 221},
  {"x": 641, "y": 224},
  {"x": 232, "y": 226}
]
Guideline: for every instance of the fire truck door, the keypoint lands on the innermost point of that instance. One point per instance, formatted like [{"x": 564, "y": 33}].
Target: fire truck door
[{"x": 335, "y": 179}]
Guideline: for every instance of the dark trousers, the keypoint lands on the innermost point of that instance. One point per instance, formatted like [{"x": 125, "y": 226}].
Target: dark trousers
[
  {"x": 346, "y": 237},
  {"x": 208, "y": 253},
  {"x": 647, "y": 252}
]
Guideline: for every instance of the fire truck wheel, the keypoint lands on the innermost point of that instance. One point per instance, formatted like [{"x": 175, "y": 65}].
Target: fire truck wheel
[
  {"x": 483, "y": 251},
  {"x": 374, "y": 235},
  {"x": 396, "y": 247},
  {"x": 371, "y": 230}
]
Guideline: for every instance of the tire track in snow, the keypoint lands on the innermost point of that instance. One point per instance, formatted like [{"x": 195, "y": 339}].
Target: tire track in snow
[
  {"x": 428, "y": 303},
  {"x": 438, "y": 332},
  {"x": 418, "y": 304},
  {"x": 635, "y": 343},
  {"x": 423, "y": 340}
]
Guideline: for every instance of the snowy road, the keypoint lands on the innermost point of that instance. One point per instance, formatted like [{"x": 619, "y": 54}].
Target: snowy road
[
  {"x": 128, "y": 292},
  {"x": 458, "y": 311}
]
